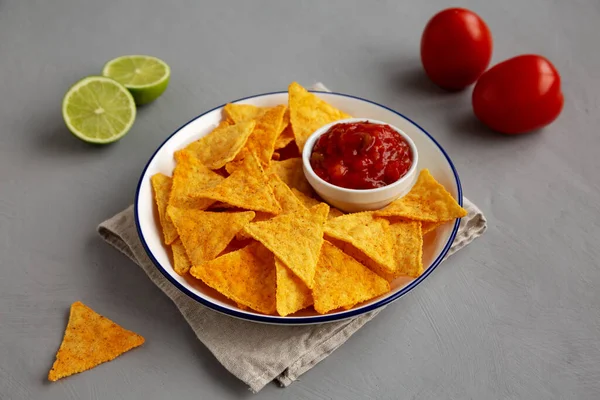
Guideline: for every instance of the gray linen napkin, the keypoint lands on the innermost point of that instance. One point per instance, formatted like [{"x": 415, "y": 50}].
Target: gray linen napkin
[{"x": 257, "y": 353}]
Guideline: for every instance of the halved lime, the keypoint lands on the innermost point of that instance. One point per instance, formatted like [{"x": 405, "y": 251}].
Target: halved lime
[
  {"x": 146, "y": 77},
  {"x": 98, "y": 110}
]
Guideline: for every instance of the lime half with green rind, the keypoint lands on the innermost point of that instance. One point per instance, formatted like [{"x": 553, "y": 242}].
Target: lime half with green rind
[{"x": 98, "y": 110}]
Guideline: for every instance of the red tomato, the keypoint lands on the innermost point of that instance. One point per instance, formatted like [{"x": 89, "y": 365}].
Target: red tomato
[
  {"x": 518, "y": 95},
  {"x": 456, "y": 47}
]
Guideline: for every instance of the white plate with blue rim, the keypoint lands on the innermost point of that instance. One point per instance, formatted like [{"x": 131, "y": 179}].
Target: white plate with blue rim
[{"x": 431, "y": 156}]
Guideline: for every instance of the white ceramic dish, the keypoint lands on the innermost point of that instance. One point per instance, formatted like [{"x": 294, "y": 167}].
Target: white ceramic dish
[
  {"x": 352, "y": 200},
  {"x": 431, "y": 156}
]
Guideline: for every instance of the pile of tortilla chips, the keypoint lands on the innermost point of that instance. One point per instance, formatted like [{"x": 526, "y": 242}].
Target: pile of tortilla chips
[{"x": 240, "y": 216}]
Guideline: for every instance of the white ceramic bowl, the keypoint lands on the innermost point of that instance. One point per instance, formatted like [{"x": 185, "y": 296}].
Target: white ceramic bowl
[
  {"x": 431, "y": 156},
  {"x": 354, "y": 200}
]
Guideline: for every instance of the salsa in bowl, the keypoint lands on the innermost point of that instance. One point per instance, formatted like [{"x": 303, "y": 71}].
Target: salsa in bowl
[{"x": 360, "y": 164}]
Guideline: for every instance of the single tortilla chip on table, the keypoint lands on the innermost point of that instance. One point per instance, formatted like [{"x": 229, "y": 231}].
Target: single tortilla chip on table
[
  {"x": 308, "y": 113},
  {"x": 290, "y": 171},
  {"x": 181, "y": 261},
  {"x": 310, "y": 201},
  {"x": 247, "y": 187},
  {"x": 292, "y": 294},
  {"x": 427, "y": 201},
  {"x": 341, "y": 281},
  {"x": 222, "y": 145},
  {"x": 90, "y": 340},
  {"x": 294, "y": 238},
  {"x": 161, "y": 185},
  {"x": 190, "y": 179},
  {"x": 246, "y": 276},
  {"x": 206, "y": 234}
]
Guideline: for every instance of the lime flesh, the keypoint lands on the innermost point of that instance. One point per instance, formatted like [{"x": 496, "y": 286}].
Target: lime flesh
[
  {"x": 146, "y": 77},
  {"x": 98, "y": 110}
]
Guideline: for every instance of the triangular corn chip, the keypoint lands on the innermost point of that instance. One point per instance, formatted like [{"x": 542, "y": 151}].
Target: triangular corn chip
[
  {"x": 90, "y": 339},
  {"x": 246, "y": 187},
  {"x": 292, "y": 294},
  {"x": 294, "y": 238},
  {"x": 246, "y": 276},
  {"x": 190, "y": 178},
  {"x": 262, "y": 140},
  {"x": 221, "y": 145},
  {"x": 408, "y": 248},
  {"x": 308, "y": 113},
  {"x": 181, "y": 261},
  {"x": 289, "y": 203},
  {"x": 290, "y": 171},
  {"x": 284, "y": 195},
  {"x": 161, "y": 185},
  {"x": 285, "y": 121},
  {"x": 341, "y": 281},
  {"x": 309, "y": 202},
  {"x": 427, "y": 201},
  {"x": 427, "y": 226},
  {"x": 369, "y": 234},
  {"x": 286, "y": 134},
  {"x": 391, "y": 249},
  {"x": 205, "y": 234},
  {"x": 238, "y": 113}
]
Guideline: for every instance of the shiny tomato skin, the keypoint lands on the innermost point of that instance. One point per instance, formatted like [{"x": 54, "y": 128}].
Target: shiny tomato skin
[
  {"x": 456, "y": 48},
  {"x": 518, "y": 95}
]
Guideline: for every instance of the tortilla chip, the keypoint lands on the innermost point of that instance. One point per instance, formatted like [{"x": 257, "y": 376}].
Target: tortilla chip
[
  {"x": 221, "y": 145},
  {"x": 290, "y": 171},
  {"x": 427, "y": 227},
  {"x": 276, "y": 156},
  {"x": 247, "y": 188},
  {"x": 285, "y": 121},
  {"x": 285, "y": 138},
  {"x": 427, "y": 201},
  {"x": 246, "y": 276},
  {"x": 341, "y": 281},
  {"x": 90, "y": 340},
  {"x": 238, "y": 113},
  {"x": 292, "y": 294},
  {"x": 190, "y": 178},
  {"x": 309, "y": 202},
  {"x": 389, "y": 249},
  {"x": 181, "y": 261},
  {"x": 205, "y": 234},
  {"x": 161, "y": 185},
  {"x": 294, "y": 238},
  {"x": 308, "y": 113},
  {"x": 369, "y": 234},
  {"x": 408, "y": 248},
  {"x": 262, "y": 140},
  {"x": 284, "y": 195}
]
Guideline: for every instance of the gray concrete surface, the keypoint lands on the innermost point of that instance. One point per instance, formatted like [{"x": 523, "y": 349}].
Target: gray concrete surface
[{"x": 515, "y": 316}]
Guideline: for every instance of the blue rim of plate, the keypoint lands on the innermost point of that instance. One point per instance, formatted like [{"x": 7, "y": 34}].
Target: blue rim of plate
[{"x": 312, "y": 319}]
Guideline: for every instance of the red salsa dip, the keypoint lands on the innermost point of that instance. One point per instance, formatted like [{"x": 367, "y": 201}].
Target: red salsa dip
[{"x": 361, "y": 155}]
